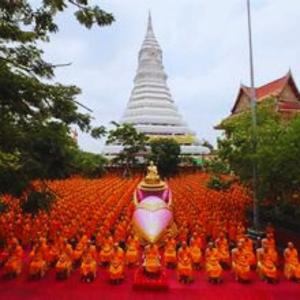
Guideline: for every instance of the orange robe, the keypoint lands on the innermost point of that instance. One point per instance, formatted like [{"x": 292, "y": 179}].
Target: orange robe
[
  {"x": 212, "y": 265},
  {"x": 132, "y": 253},
  {"x": 270, "y": 242},
  {"x": 266, "y": 267},
  {"x": 38, "y": 266},
  {"x": 152, "y": 260},
  {"x": 184, "y": 263},
  {"x": 250, "y": 255},
  {"x": 106, "y": 251},
  {"x": 64, "y": 265},
  {"x": 291, "y": 264},
  {"x": 117, "y": 264},
  {"x": 240, "y": 264},
  {"x": 196, "y": 254},
  {"x": 14, "y": 262},
  {"x": 222, "y": 246},
  {"x": 170, "y": 256},
  {"x": 88, "y": 266}
]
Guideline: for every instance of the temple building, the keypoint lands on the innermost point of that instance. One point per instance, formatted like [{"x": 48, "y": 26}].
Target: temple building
[
  {"x": 151, "y": 108},
  {"x": 283, "y": 90}
]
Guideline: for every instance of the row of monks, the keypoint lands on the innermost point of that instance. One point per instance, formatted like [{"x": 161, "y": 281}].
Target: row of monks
[
  {"x": 186, "y": 257},
  {"x": 90, "y": 225}
]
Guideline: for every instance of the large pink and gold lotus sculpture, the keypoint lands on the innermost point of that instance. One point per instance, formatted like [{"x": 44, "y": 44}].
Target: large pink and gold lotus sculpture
[
  {"x": 151, "y": 218},
  {"x": 153, "y": 215}
]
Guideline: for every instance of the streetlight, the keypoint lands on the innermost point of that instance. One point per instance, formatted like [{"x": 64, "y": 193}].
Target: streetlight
[{"x": 256, "y": 223}]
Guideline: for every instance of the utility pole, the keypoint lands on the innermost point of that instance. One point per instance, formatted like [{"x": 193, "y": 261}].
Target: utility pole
[{"x": 256, "y": 223}]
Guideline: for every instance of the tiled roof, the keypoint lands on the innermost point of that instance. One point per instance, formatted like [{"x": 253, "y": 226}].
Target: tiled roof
[{"x": 272, "y": 88}]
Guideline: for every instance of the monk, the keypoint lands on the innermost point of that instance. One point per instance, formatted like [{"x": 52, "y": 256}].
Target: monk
[
  {"x": 88, "y": 269},
  {"x": 213, "y": 267},
  {"x": 37, "y": 267},
  {"x": 63, "y": 267},
  {"x": 266, "y": 266},
  {"x": 270, "y": 242},
  {"x": 184, "y": 264},
  {"x": 3, "y": 256},
  {"x": 170, "y": 256},
  {"x": 240, "y": 263},
  {"x": 152, "y": 265},
  {"x": 132, "y": 252},
  {"x": 52, "y": 255},
  {"x": 13, "y": 265},
  {"x": 249, "y": 251},
  {"x": 106, "y": 251},
  {"x": 291, "y": 263},
  {"x": 196, "y": 253},
  {"x": 77, "y": 254},
  {"x": 117, "y": 265},
  {"x": 223, "y": 248}
]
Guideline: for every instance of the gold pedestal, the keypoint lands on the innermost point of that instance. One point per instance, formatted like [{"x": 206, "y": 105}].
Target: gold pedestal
[{"x": 145, "y": 185}]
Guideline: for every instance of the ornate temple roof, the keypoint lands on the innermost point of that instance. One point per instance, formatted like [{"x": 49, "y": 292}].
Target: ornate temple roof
[
  {"x": 273, "y": 88},
  {"x": 284, "y": 90}
]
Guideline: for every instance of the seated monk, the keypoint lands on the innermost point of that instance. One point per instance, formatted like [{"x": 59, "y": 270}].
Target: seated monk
[
  {"x": 266, "y": 266},
  {"x": 152, "y": 265},
  {"x": 270, "y": 242},
  {"x": 92, "y": 250},
  {"x": 240, "y": 263},
  {"x": 212, "y": 264},
  {"x": 88, "y": 269},
  {"x": 52, "y": 256},
  {"x": 106, "y": 251},
  {"x": 63, "y": 267},
  {"x": 291, "y": 263},
  {"x": 67, "y": 249},
  {"x": 249, "y": 251},
  {"x": 3, "y": 256},
  {"x": 170, "y": 256},
  {"x": 13, "y": 265},
  {"x": 37, "y": 267},
  {"x": 132, "y": 252},
  {"x": 117, "y": 265},
  {"x": 184, "y": 264},
  {"x": 196, "y": 253},
  {"x": 223, "y": 248},
  {"x": 77, "y": 254}
]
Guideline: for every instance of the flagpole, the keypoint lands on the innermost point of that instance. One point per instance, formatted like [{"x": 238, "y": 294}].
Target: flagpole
[{"x": 256, "y": 223}]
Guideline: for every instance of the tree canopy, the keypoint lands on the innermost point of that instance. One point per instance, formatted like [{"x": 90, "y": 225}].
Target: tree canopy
[
  {"x": 277, "y": 154},
  {"x": 133, "y": 145},
  {"x": 36, "y": 113},
  {"x": 166, "y": 154}
]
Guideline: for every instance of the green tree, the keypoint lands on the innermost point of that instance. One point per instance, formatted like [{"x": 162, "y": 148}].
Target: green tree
[
  {"x": 35, "y": 113},
  {"x": 89, "y": 165},
  {"x": 133, "y": 146},
  {"x": 277, "y": 155},
  {"x": 166, "y": 154}
]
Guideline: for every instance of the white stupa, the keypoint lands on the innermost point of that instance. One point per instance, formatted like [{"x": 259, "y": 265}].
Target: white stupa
[{"x": 151, "y": 108}]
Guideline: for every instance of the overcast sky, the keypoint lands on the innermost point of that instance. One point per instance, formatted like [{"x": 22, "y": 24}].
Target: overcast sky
[{"x": 205, "y": 55}]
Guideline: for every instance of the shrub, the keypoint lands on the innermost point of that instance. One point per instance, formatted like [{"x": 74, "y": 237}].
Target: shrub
[
  {"x": 37, "y": 201},
  {"x": 218, "y": 184}
]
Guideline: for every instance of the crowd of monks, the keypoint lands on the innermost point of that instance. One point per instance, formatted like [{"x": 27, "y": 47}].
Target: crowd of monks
[{"x": 89, "y": 228}]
